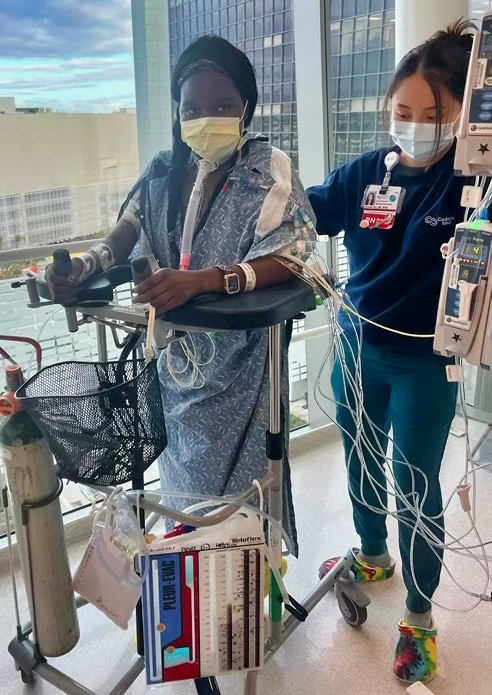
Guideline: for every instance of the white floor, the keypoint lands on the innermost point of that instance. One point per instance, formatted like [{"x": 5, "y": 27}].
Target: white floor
[{"x": 325, "y": 655}]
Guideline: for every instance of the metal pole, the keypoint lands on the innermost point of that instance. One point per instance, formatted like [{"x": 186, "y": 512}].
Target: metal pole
[
  {"x": 29, "y": 576},
  {"x": 251, "y": 683},
  {"x": 312, "y": 599},
  {"x": 275, "y": 357},
  {"x": 275, "y": 450},
  {"x": 61, "y": 680},
  {"x": 131, "y": 674},
  {"x": 5, "y": 502},
  {"x": 102, "y": 343}
]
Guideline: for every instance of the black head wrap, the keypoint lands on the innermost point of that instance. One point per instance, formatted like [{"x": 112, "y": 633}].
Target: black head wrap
[
  {"x": 206, "y": 53},
  {"x": 214, "y": 52}
]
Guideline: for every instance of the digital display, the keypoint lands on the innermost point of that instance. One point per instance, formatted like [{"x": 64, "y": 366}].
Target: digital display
[
  {"x": 466, "y": 274},
  {"x": 475, "y": 251}
]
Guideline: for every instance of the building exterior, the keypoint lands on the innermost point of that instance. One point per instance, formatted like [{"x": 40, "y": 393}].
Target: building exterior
[
  {"x": 362, "y": 42},
  {"x": 69, "y": 176},
  {"x": 150, "y": 22},
  {"x": 362, "y": 62}
]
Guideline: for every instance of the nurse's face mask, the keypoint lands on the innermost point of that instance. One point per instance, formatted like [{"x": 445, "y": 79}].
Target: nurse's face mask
[
  {"x": 418, "y": 140},
  {"x": 413, "y": 124}
]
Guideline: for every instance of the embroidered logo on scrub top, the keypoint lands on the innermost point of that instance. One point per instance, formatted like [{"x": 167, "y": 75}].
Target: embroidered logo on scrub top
[{"x": 434, "y": 221}]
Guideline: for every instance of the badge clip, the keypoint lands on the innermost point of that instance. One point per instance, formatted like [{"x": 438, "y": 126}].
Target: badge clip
[{"x": 390, "y": 161}]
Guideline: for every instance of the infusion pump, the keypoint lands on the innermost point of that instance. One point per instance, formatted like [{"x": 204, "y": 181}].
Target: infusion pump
[
  {"x": 464, "y": 321},
  {"x": 474, "y": 136}
]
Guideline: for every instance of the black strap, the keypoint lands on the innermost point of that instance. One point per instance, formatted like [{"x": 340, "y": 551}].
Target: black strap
[{"x": 297, "y": 610}]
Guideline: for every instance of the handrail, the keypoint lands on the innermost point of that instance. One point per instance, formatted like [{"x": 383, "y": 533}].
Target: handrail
[
  {"x": 29, "y": 252},
  {"x": 30, "y": 341}
]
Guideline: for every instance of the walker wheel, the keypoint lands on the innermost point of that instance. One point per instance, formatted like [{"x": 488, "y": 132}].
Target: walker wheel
[{"x": 352, "y": 613}]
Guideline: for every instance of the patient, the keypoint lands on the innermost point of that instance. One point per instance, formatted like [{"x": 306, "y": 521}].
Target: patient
[{"x": 246, "y": 211}]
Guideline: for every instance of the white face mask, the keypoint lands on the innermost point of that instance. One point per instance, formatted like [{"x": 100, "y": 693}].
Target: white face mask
[{"x": 418, "y": 140}]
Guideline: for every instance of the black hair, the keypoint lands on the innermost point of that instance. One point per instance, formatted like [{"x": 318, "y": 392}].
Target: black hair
[
  {"x": 233, "y": 63},
  {"x": 442, "y": 61}
]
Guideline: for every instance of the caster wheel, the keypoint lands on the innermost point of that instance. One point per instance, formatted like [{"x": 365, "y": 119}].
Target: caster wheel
[
  {"x": 352, "y": 613},
  {"x": 27, "y": 678}
]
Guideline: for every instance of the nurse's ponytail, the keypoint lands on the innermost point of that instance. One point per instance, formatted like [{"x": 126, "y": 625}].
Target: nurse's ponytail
[{"x": 442, "y": 61}]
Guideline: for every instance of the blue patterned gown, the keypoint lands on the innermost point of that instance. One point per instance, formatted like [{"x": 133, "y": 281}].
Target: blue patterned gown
[{"x": 216, "y": 430}]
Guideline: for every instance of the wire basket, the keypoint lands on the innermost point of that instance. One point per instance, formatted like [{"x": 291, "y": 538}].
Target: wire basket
[{"x": 103, "y": 421}]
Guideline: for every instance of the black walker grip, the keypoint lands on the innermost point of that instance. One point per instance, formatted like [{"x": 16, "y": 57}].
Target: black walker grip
[
  {"x": 141, "y": 269},
  {"x": 62, "y": 262}
]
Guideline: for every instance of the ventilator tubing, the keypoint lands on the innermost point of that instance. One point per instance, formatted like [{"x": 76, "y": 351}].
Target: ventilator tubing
[{"x": 192, "y": 212}]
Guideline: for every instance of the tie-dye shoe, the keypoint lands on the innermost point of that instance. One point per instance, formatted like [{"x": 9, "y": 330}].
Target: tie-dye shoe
[
  {"x": 416, "y": 654},
  {"x": 363, "y": 571}
]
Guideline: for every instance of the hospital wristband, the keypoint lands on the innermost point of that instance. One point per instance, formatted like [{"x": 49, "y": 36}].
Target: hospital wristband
[
  {"x": 89, "y": 264},
  {"x": 105, "y": 255},
  {"x": 250, "y": 276}
]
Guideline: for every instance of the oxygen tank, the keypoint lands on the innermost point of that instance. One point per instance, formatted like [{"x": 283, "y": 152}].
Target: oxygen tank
[{"x": 31, "y": 478}]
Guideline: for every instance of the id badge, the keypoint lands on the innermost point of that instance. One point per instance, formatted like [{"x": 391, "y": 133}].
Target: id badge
[{"x": 380, "y": 209}]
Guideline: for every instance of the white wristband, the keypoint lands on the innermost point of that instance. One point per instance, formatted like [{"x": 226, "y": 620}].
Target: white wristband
[
  {"x": 132, "y": 212},
  {"x": 250, "y": 276},
  {"x": 105, "y": 255},
  {"x": 89, "y": 264}
]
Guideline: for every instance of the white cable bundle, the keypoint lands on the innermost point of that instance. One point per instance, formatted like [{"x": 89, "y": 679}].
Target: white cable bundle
[{"x": 412, "y": 505}]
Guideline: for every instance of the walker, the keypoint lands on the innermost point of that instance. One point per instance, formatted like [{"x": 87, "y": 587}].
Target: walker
[{"x": 111, "y": 398}]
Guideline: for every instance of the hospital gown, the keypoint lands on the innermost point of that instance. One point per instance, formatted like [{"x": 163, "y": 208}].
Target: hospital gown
[{"x": 216, "y": 427}]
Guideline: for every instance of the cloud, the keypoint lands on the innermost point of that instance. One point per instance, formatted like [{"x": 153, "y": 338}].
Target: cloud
[
  {"x": 67, "y": 54},
  {"x": 78, "y": 88},
  {"x": 66, "y": 78},
  {"x": 65, "y": 28}
]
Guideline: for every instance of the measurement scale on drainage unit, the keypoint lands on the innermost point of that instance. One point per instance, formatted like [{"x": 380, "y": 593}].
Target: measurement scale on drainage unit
[{"x": 231, "y": 610}]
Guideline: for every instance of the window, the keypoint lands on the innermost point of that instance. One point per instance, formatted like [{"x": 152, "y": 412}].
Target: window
[
  {"x": 372, "y": 64},
  {"x": 347, "y": 44},
  {"x": 76, "y": 205},
  {"x": 372, "y": 85},
  {"x": 359, "y": 41},
  {"x": 348, "y": 8},
  {"x": 361, "y": 22},
  {"x": 364, "y": 79},
  {"x": 357, "y": 86}
]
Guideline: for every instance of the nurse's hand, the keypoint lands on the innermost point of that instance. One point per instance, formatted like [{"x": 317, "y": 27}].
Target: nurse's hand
[{"x": 166, "y": 289}]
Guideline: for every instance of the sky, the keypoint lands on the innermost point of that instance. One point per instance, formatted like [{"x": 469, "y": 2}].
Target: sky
[{"x": 67, "y": 55}]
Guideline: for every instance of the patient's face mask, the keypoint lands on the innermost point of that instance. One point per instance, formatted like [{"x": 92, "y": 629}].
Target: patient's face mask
[
  {"x": 418, "y": 140},
  {"x": 213, "y": 138}
]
